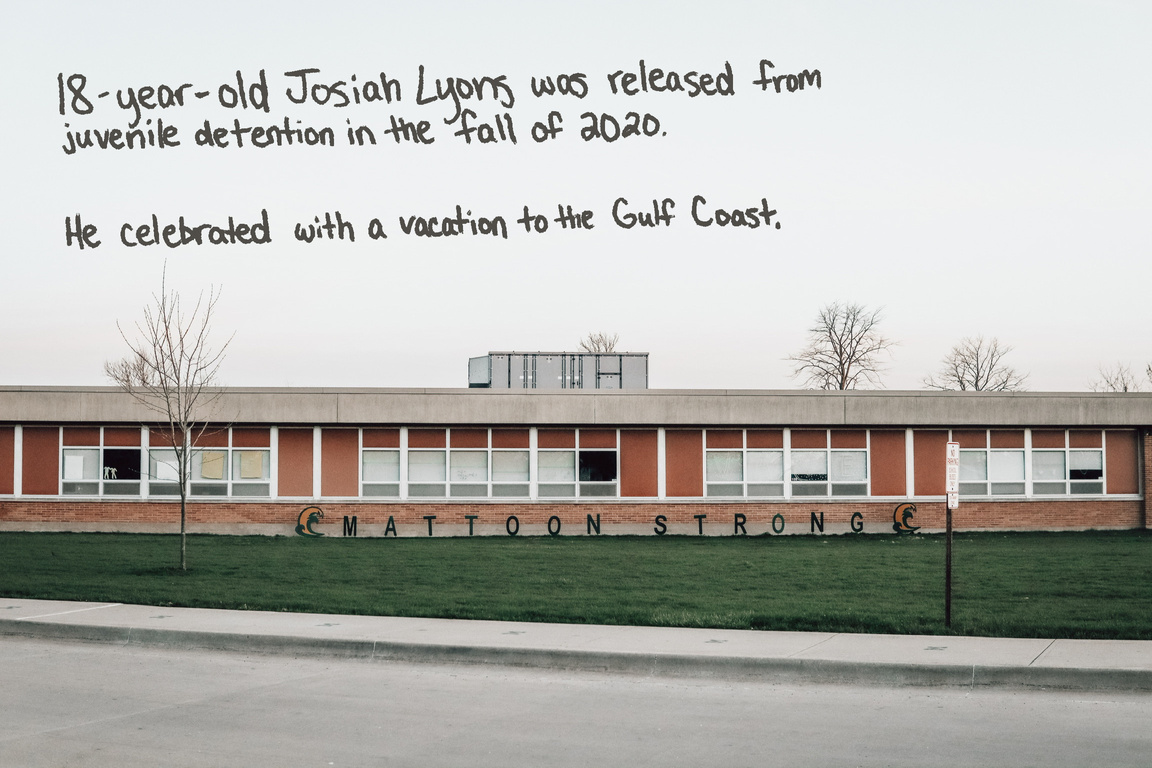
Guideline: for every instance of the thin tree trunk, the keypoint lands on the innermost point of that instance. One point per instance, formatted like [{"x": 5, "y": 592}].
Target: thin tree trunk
[{"x": 183, "y": 538}]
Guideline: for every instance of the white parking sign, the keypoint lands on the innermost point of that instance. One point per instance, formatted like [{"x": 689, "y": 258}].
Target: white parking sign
[{"x": 952, "y": 475}]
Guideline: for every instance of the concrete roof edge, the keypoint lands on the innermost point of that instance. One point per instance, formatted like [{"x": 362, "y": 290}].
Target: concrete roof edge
[{"x": 724, "y": 407}]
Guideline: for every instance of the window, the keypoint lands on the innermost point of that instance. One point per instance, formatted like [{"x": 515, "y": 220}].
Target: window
[
  {"x": 1006, "y": 472},
  {"x": 849, "y": 473},
  {"x": 380, "y": 473},
  {"x": 557, "y": 473},
  {"x": 163, "y": 472},
  {"x": 82, "y": 470},
  {"x": 751, "y": 463},
  {"x": 765, "y": 473},
  {"x": 251, "y": 472},
  {"x": 510, "y": 473},
  {"x": 101, "y": 461},
  {"x": 590, "y": 468},
  {"x": 991, "y": 472},
  {"x": 231, "y": 466},
  {"x": 973, "y": 473},
  {"x": 597, "y": 473},
  {"x": 427, "y": 471},
  {"x": 846, "y": 471},
  {"x": 724, "y": 472},
  {"x": 476, "y": 463},
  {"x": 1049, "y": 472},
  {"x": 809, "y": 473},
  {"x": 1086, "y": 471},
  {"x": 1058, "y": 472},
  {"x": 469, "y": 473}
]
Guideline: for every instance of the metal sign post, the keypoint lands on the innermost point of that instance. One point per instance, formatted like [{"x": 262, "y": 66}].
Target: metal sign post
[{"x": 952, "y": 489}]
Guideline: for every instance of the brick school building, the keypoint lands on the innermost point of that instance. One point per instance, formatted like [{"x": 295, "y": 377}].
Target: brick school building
[{"x": 461, "y": 462}]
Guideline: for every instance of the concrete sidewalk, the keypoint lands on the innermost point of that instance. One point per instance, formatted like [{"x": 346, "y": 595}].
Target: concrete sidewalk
[{"x": 913, "y": 660}]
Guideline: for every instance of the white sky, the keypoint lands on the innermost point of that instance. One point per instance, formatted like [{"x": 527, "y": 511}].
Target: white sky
[{"x": 970, "y": 167}]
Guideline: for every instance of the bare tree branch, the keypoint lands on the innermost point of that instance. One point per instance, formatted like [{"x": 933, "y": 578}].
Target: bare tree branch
[
  {"x": 844, "y": 349},
  {"x": 1117, "y": 378},
  {"x": 977, "y": 364},
  {"x": 599, "y": 343},
  {"x": 171, "y": 370}
]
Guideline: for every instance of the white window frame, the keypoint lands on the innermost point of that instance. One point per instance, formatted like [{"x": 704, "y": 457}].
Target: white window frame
[
  {"x": 231, "y": 482},
  {"x": 787, "y": 484},
  {"x": 102, "y": 482},
  {"x": 1068, "y": 483},
  {"x": 400, "y": 469},
  {"x": 489, "y": 482},
  {"x": 744, "y": 482},
  {"x": 580, "y": 487}
]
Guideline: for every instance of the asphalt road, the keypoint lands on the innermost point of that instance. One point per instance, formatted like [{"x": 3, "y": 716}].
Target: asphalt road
[{"x": 74, "y": 704}]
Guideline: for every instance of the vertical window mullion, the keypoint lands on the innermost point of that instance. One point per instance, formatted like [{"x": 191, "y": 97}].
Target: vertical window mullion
[
  {"x": 273, "y": 462},
  {"x": 1103, "y": 463},
  {"x": 404, "y": 462},
  {"x": 145, "y": 464},
  {"x": 744, "y": 463},
  {"x": 787, "y": 462},
  {"x": 533, "y": 464},
  {"x": 60, "y": 461}
]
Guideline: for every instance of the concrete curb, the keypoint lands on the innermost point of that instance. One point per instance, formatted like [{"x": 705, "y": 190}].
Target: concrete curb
[{"x": 671, "y": 665}]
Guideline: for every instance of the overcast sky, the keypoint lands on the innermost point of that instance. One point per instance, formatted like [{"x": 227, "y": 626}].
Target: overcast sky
[{"x": 971, "y": 168}]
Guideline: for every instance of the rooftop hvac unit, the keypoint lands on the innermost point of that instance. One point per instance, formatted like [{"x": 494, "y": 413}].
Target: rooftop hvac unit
[{"x": 559, "y": 370}]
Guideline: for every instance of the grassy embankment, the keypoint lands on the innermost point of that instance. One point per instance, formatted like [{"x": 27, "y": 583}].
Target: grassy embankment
[{"x": 1096, "y": 584}]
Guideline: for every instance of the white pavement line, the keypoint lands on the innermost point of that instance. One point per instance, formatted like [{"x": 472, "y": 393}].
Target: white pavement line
[
  {"x": 1050, "y": 644},
  {"x": 65, "y": 613}
]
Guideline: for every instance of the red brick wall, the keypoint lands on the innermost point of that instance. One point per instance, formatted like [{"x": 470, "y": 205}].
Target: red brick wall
[{"x": 636, "y": 517}]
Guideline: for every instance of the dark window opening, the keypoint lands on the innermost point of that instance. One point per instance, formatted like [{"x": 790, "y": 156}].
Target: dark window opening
[
  {"x": 597, "y": 466},
  {"x": 121, "y": 464}
]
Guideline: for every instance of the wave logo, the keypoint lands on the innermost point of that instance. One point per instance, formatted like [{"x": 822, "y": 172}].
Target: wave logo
[
  {"x": 309, "y": 517},
  {"x": 902, "y": 519}
]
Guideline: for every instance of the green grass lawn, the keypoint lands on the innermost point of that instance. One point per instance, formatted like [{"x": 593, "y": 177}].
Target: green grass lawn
[{"x": 1095, "y": 584}]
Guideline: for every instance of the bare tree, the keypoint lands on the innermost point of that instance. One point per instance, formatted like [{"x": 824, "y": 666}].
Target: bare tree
[
  {"x": 844, "y": 349},
  {"x": 1117, "y": 378},
  {"x": 977, "y": 364},
  {"x": 599, "y": 343},
  {"x": 171, "y": 369}
]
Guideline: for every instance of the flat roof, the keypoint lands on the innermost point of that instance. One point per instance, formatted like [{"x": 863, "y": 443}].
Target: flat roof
[{"x": 353, "y": 406}]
